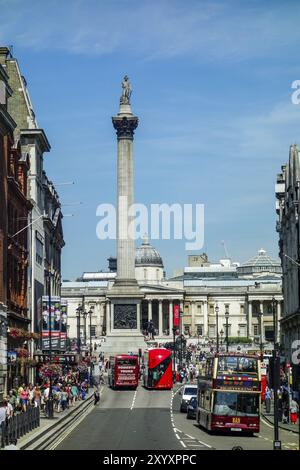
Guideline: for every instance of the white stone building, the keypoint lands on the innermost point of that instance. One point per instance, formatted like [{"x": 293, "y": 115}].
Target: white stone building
[{"x": 246, "y": 290}]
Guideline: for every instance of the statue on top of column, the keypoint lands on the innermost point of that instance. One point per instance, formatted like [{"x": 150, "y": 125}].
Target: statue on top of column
[{"x": 126, "y": 91}]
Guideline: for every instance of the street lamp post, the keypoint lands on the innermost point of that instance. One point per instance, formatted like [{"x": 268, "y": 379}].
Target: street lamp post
[
  {"x": 276, "y": 368},
  {"x": 217, "y": 324},
  {"x": 227, "y": 317},
  {"x": 91, "y": 348},
  {"x": 78, "y": 312},
  {"x": 261, "y": 346},
  {"x": 85, "y": 314},
  {"x": 50, "y": 397},
  {"x": 174, "y": 359},
  {"x": 221, "y": 334}
]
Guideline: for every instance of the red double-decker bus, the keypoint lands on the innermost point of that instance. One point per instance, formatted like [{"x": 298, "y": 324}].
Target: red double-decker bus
[
  {"x": 229, "y": 393},
  {"x": 158, "y": 369},
  {"x": 124, "y": 371}
]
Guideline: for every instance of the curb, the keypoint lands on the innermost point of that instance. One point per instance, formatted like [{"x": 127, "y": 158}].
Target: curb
[
  {"x": 41, "y": 439},
  {"x": 280, "y": 427}
]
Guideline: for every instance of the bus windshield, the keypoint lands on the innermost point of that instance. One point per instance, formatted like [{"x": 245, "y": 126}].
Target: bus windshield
[
  {"x": 235, "y": 404},
  {"x": 239, "y": 365}
]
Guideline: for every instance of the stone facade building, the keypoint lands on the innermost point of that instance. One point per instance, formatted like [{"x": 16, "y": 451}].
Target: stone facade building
[
  {"x": 15, "y": 213},
  {"x": 44, "y": 233},
  {"x": 7, "y": 126},
  {"x": 246, "y": 290},
  {"x": 287, "y": 208}
]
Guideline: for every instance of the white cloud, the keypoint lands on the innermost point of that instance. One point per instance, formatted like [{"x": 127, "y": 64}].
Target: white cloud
[{"x": 154, "y": 29}]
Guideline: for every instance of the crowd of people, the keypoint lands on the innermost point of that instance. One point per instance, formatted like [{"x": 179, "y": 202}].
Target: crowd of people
[{"x": 66, "y": 391}]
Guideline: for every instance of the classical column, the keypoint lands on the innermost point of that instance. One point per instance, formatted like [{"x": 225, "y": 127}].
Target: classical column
[
  {"x": 249, "y": 333},
  {"x": 170, "y": 317},
  {"x": 160, "y": 318},
  {"x": 107, "y": 307},
  {"x": 193, "y": 305},
  {"x": 261, "y": 319},
  {"x": 205, "y": 318},
  {"x": 149, "y": 310},
  {"x": 278, "y": 320},
  {"x": 125, "y": 124},
  {"x": 138, "y": 316}
]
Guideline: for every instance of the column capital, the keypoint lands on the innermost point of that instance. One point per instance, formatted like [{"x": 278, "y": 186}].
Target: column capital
[{"x": 125, "y": 126}]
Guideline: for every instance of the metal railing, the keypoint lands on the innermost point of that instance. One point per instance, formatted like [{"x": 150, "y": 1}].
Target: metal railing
[{"x": 18, "y": 425}]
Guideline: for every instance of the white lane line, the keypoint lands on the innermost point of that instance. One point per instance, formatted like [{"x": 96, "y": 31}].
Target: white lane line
[
  {"x": 182, "y": 443},
  {"x": 190, "y": 436},
  {"x": 204, "y": 444},
  {"x": 177, "y": 436},
  {"x": 134, "y": 397}
]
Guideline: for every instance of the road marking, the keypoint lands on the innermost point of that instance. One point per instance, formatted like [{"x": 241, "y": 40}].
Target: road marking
[
  {"x": 204, "y": 444},
  {"x": 134, "y": 397},
  {"x": 177, "y": 436},
  {"x": 182, "y": 444},
  {"x": 190, "y": 436}
]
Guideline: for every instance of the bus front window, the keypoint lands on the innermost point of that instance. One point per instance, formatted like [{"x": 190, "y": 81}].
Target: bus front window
[{"x": 236, "y": 404}]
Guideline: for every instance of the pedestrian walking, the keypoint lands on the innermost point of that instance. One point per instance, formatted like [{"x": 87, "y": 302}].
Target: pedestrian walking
[
  {"x": 268, "y": 400},
  {"x": 294, "y": 410}
]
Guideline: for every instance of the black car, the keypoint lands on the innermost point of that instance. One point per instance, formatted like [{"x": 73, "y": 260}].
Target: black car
[{"x": 192, "y": 408}]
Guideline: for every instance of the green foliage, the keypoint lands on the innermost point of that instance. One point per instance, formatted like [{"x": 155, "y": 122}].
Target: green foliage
[{"x": 238, "y": 340}]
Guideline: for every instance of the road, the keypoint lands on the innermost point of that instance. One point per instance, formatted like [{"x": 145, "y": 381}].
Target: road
[{"x": 151, "y": 420}]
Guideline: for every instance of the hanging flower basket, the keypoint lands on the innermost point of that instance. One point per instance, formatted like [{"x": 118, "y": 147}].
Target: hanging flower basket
[
  {"x": 22, "y": 352},
  {"x": 18, "y": 333},
  {"x": 50, "y": 370}
]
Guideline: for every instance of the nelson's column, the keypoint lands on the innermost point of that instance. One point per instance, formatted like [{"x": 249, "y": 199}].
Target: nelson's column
[{"x": 123, "y": 321}]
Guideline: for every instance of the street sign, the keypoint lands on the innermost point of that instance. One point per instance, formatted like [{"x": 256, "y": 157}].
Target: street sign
[{"x": 276, "y": 445}]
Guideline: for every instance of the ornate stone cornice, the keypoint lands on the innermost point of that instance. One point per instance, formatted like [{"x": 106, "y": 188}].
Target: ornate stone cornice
[{"x": 125, "y": 126}]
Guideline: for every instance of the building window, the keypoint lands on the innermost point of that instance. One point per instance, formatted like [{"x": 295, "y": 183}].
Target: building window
[
  {"x": 243, "y": 331},
  {"x": 39, "y": 252},
  {"x": 186, "y": 329},
  {"x": 93, "y": 331},
  {"x": 212, "y": 331},
  {"x": 242, "y": 309},
  {"x": 255, "y": 330},
  {"x": 211, "y": 309},
  {"x": 199, "y": 308},
  {"x": 200, "y": 330}
]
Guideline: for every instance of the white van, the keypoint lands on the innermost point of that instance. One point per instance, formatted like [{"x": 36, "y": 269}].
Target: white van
[{"x": 187, "y": 393}]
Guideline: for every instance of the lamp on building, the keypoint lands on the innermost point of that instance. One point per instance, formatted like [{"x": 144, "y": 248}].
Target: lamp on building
[
  {"x": 227, "y": 317},
  {"x": 217, "y": 324}
]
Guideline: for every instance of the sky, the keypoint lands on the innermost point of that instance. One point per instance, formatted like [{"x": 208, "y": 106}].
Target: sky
[{"x": 211, "y": 87}]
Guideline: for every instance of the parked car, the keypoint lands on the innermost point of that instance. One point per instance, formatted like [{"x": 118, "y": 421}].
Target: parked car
[
  {"x": 192, "y": 408},
  {"x": 187, "y": 393}
]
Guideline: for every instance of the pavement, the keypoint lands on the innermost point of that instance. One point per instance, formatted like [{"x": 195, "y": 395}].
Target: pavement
[
  {"x": 46, "y": 424},
  {"x": 287, "y": 426},
  {"x": 151, "y": 420}
]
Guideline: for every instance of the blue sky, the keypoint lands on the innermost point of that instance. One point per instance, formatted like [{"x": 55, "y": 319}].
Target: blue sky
[{"x": 212, "y": 88}]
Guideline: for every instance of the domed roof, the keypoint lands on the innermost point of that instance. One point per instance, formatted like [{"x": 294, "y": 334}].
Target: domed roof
[
  {"x": 260, "y": 263},
  {"x": 146, "y": 255}
]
